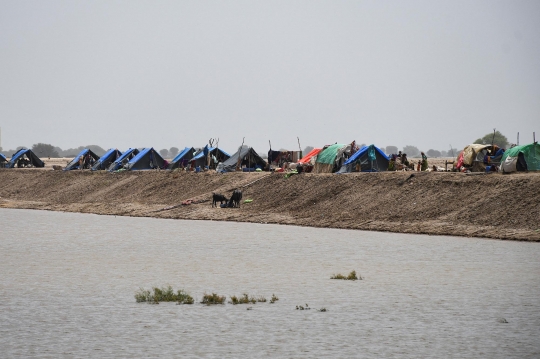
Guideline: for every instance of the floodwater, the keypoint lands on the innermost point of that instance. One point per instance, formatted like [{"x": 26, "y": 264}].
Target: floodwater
[{"x": 67, "y": 285}]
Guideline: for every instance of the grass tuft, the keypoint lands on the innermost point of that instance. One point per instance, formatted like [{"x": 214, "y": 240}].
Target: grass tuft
[
  {"x": 246, "y": 299},
  {"x": 213, "y": 298},
  {"x": 273, "y": 299},
  {"x": 351, "y": 276},
  {"x": 163, "y": 294}
]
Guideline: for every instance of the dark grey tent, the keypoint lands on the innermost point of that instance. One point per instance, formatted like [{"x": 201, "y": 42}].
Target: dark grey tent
[
  {"x": 25, "y": 158},
  {"x": 217, "y": 155},
  {"x": 88, "y": 157},
  {"x": 147, "y": 159},
  {"x": 123, "y": 160},
  {"x": 245, "y": 157}
]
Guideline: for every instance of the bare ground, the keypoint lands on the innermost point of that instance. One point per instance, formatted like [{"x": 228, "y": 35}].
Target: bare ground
[{"x": 489, "y": 206}]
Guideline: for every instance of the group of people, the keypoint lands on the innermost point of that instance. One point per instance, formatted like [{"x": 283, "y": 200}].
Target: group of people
[
  {"x": 401, "y": 162},
  {"x": 86, "y": 161}
]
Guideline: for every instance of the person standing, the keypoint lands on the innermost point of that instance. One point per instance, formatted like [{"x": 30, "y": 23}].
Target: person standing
[{"x": 424, "y": 161}]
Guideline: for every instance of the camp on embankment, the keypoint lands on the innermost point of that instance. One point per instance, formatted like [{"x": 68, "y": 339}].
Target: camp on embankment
[{"x": 456, "y": 204}]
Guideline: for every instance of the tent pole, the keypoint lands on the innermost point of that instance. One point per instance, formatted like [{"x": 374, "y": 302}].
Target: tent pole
[
  {"x": 518, "y": 139},
  {"x": 299, "y": 147}
]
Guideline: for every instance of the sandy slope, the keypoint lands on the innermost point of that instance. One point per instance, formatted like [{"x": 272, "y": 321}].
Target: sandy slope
[{"x": 491, "y": 206}]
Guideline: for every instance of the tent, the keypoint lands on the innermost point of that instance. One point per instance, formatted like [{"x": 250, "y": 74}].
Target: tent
[
  {"x": 182, "y": 159},
  {"x": 3, "y": 160},
  {"x": 307, "y": 158},
  {"x": 470, "y": 154},
  {"x": 88, "y": 157},
  {"x": 331, "y": 158},
  {"x": 123, "y": 160},
  {"x": 244, "y": 157},
  {"x": 521, "y": 158},
  {"x": 280, "y": 157},
  {"x": 217, "y": 155},
  {"x": 147, "y": 159},
  {"x": 105, "y": 161},
  {"x": 368, "y": 159},
  {"x": 25, "y": 158}
]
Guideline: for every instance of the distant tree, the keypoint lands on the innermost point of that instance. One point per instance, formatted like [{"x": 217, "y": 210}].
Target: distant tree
[
  {"x": 173, "y": 151},
  {"x": 444, "y": 154},
  {"x": 164, "y": 153},
  {"x": 411, "y": 151},
  {"x": 433, "y": 153},
  {"x": 44, "y": 150},
  {"x": 307, "y": 150},
  {"x": 453, "y": 152},
  {"x": 499, "y": 139},
  {"x": 391, "y": 150},
  {"x": 96, "y": 149}
]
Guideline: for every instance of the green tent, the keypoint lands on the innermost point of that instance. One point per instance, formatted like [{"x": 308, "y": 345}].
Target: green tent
[
  {"x": 521, "y": 158},
  {"x": 328, "y": 158}
]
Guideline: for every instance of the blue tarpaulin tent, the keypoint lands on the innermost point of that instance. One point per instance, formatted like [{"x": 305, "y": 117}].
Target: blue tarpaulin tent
[
  {"x": 3, "y": 160},
  {"x": 200, "y": 159},
  {"x": 123, "y": 160},
  {"x": 147, "y": 159},
  {"x": 182, "y": 159},
  {"x": 26, "y": 157},
  {"x": 88, "y": 157},
  {"x": 105, "y": 161},
  {"x": 369, "y": 159}
]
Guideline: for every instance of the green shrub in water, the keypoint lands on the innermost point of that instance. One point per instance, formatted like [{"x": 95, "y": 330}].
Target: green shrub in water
[
  {"x": 164, "y": 294},
  {"x": 273, "y": 299},
  {"x": 351, "y": 276},
  {"x": 246, "y": 299},
  {"x": 213, "y": 298}
]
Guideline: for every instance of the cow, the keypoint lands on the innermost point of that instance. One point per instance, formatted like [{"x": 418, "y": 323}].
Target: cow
[
  {"x": 216, "y": 197},
  {"x": 236, "y": 197}
]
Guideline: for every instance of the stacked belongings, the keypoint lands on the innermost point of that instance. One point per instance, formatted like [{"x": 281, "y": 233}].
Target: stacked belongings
[
  {"x": 3, "y": 161},
  {"x": 245, "y": 159},
  {"x": 84, "y": 160},
  {"x": 473, "y": 156},
  {"x": 283, "y": 158},
  {"x": 331, "y": 158},
  {"x": 182, "y": 159},
  {"x": 147, "y": 159},
  {"x": 208, "y": 156},
  {"x": 308, "y": 161},
  {"x": 25, "y": 158},
  {"x": 123, "y": 160},
  {"x": 368, "y": 159},
  {"x": 105, "y": 161},
  {"x": 521, "y": 158}
]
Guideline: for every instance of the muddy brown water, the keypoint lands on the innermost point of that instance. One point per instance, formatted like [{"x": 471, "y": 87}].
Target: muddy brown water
[{"x": 68, "y": 280}]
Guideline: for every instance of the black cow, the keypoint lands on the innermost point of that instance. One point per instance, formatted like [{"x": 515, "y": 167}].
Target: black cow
[
  {"x": 216, "y": 197},
  {"x": 236, "y": 197}
]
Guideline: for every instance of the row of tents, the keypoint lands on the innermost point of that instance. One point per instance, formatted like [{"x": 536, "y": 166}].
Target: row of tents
[{"x": 336, "y": 158}]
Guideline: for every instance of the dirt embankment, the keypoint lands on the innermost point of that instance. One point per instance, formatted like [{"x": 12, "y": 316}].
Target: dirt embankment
[{"x": 491, "y": 206}]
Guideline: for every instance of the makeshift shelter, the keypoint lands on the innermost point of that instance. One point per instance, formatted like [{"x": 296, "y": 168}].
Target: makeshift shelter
[
  {"x": 473, "y": 157},
  {"x": 182, "y": 159},
  {"x": 147, "y": 159},
  {"x": 3, "y": 161},
  {"x": 245, "y": 159},
  {"x": 280, "y": 157},
  {"x": 86, "y": 158},
  {"x": 521, "y": 158},
  {"x": 331, "y": 158},
  {"x": 25, "y": 158},
  {"x": 123, "y": 160},
  {"x": 312, "y": 154},
  {"x": 367, "y": 159},
  {"x": 105, "y": 161},
  {"x": 217, "y": 155}
]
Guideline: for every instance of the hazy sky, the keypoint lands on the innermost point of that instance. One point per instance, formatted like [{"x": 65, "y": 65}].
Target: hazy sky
[{"x": 175, "y": 73}]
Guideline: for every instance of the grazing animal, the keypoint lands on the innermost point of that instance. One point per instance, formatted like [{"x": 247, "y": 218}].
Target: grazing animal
[
  {"x": 216, "y": 197},
  {"x": 236, "y": 197}
]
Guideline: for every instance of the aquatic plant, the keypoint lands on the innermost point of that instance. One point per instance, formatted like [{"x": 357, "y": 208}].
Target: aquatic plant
[
  {"x": 300, "y": 307},
  {"x": 351, "y": 276},
  {"x": 245, "y": 299},
  {"x": 273, "y": 299},
  {"x": 164, "y": 294},
  {"x": 213, "y": 298},
  {"x": 321, "y": 310}
]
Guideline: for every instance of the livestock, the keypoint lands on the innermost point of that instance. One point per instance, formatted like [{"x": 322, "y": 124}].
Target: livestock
[
  {"x": 236, "y": 197},
  {"x": 216, "y": 197}
]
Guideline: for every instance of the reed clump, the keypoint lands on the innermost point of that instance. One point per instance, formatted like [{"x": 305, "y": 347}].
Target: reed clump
[
  {"x": 213, "y": 298},
  {"x": 273, "y": 299},
  {"x": 351, "y": 276},
  {"x": 246, "y": 299},
  {"x": 163, "y": 294}
]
